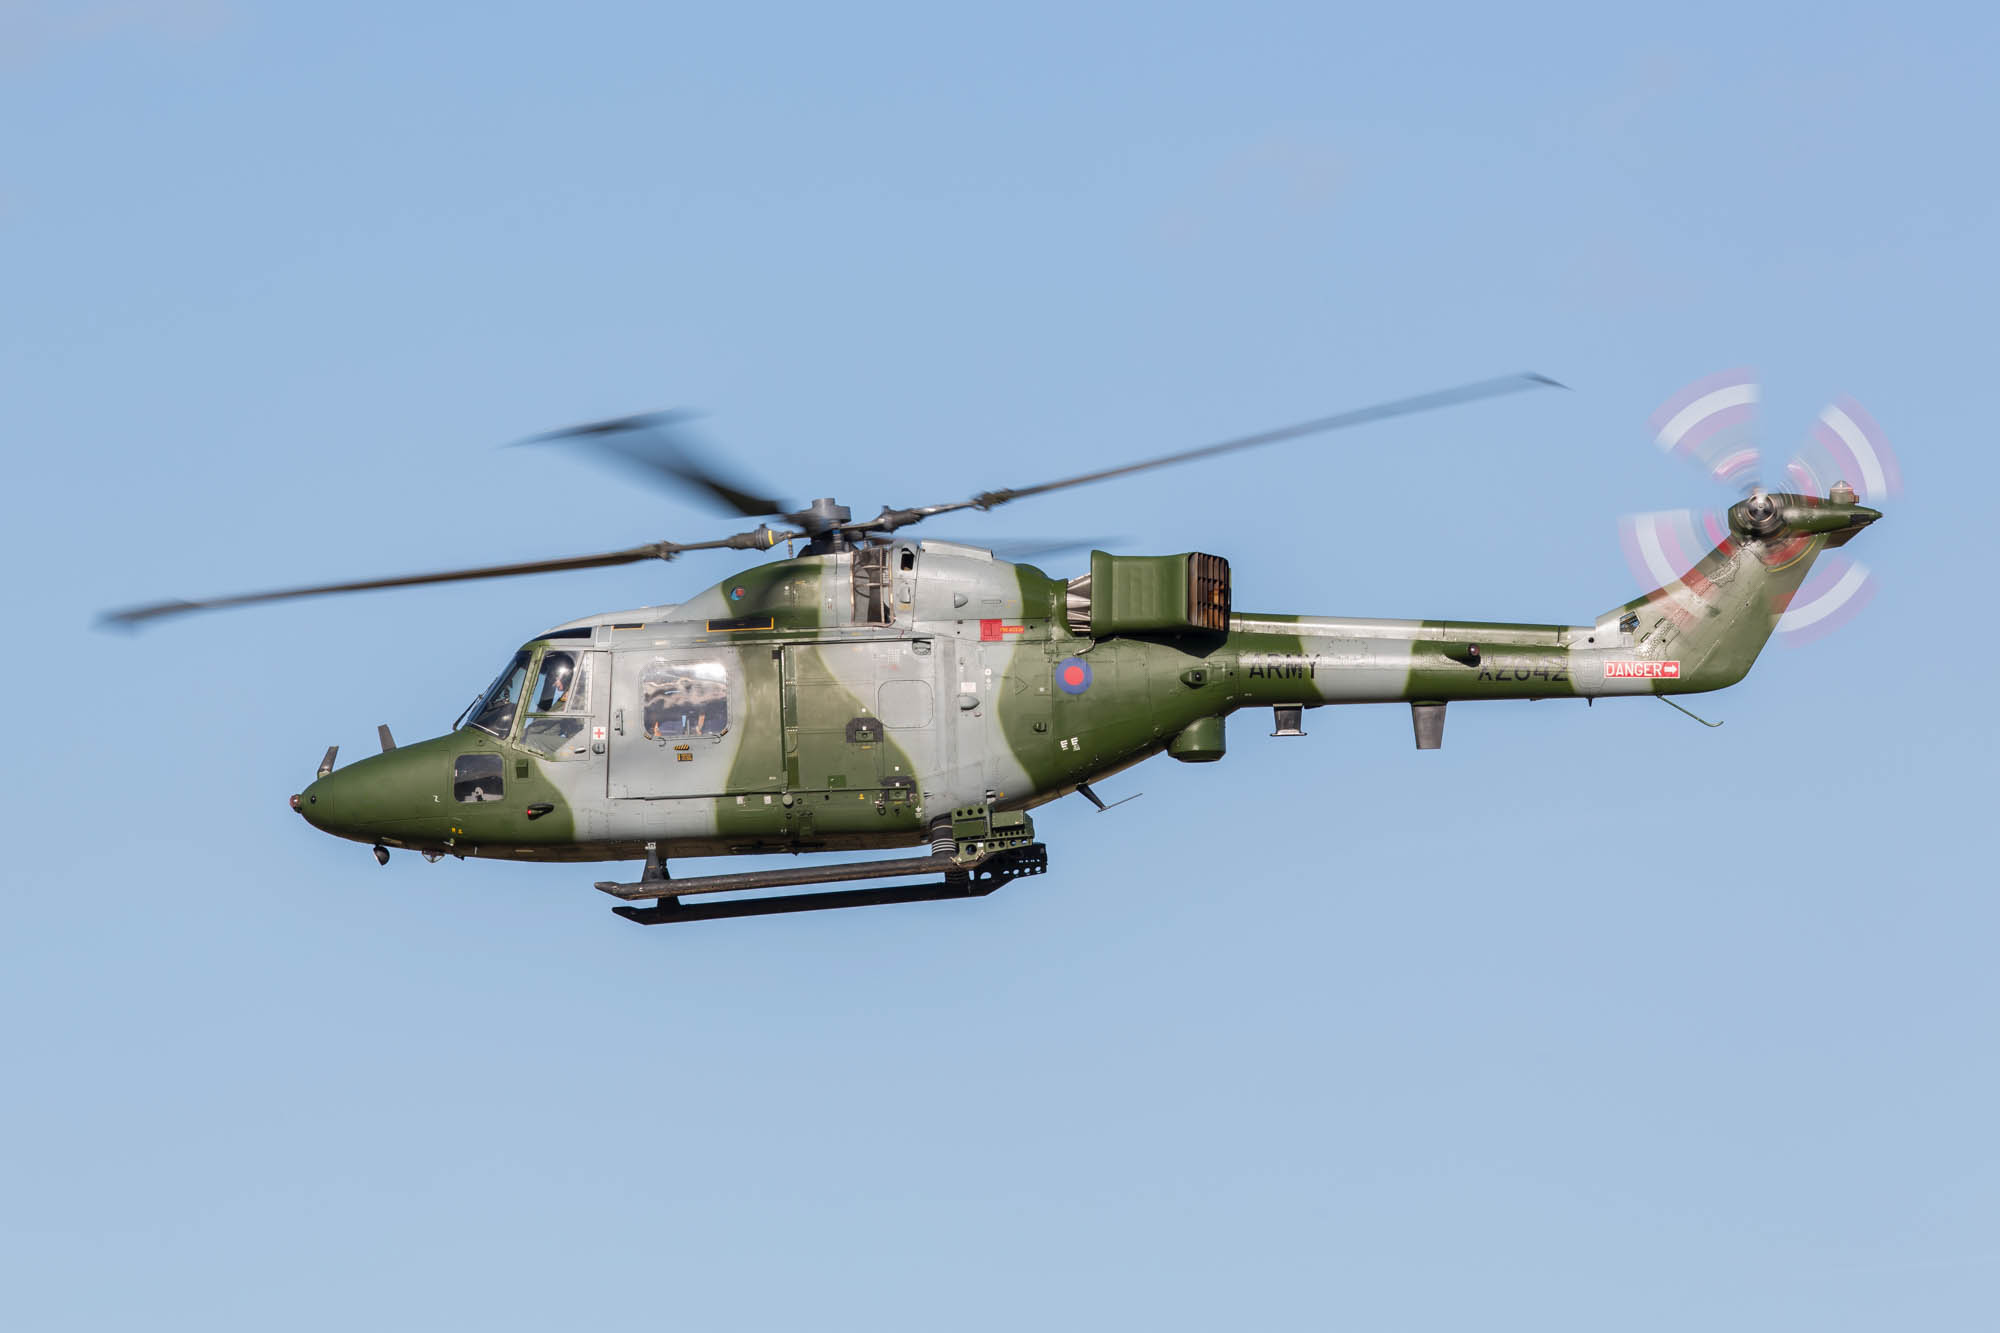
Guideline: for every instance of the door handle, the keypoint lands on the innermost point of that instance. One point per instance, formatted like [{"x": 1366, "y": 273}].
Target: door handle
[{"x": 618, "y": 720}]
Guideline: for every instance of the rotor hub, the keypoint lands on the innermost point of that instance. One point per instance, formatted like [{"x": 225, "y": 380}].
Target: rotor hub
[
  {"x": 825, "y": 524},
  {"x": 1759, "y": 516},
  {"x": 823, "y": 515}
]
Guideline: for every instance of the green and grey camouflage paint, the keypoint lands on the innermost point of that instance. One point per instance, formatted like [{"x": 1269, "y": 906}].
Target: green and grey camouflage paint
[{"x": 865, "y": 703}]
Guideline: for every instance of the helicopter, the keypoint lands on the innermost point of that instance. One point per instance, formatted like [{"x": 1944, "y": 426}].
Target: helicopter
[{"x": 876, "y": 691}]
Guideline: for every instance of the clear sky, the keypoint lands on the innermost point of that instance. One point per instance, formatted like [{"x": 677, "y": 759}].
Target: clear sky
[{"x": 1592, "y": 1019}]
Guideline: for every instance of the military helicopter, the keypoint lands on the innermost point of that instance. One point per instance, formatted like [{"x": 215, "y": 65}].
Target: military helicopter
[{"x": 877, "y": 692}]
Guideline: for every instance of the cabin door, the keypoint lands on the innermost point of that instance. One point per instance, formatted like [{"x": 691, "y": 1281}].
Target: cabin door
[{"x": 676, "y": 724}]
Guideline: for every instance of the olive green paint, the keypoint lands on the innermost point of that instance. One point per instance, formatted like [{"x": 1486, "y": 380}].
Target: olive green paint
[
  {"x": 815, "y": 766},
  {"x": 404, "y": 798}
]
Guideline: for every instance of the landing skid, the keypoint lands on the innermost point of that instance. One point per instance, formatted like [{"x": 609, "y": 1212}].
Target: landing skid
[{"x": 960, "y": 879}]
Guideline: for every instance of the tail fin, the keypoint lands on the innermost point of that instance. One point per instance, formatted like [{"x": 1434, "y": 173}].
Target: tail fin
[{"x": 1715, "y": 619}]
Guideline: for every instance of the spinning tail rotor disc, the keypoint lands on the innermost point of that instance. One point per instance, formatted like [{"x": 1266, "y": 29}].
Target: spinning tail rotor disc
[{"x": 1712, "y": 425}]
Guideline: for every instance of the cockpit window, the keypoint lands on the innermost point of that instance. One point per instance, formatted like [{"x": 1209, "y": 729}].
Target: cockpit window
[
  {"x": 557, "y": 737},
  {"x": 557, "y": 705},
  {"x": 495, "y": 710},
  {"x": 563, "y": 684}
]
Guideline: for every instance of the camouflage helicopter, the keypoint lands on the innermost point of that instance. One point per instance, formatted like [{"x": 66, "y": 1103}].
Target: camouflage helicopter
[{"x": 877, "y": 692}]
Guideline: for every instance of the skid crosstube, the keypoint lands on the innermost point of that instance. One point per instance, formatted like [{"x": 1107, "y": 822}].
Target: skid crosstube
[{"x": 958, "y": 881}]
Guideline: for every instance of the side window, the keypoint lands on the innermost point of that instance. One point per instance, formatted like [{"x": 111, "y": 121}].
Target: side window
[
  {"x": 682, "y": 699},
  {"x": 476, "y": 777},
  {"x": 563, "y": 685}
]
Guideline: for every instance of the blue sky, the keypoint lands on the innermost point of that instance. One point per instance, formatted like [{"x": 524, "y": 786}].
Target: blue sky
[{"x": 1591, "y": 1018}]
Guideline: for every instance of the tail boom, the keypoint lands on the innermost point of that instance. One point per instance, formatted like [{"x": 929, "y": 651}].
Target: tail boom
[{"x": 1701, "y": 632}]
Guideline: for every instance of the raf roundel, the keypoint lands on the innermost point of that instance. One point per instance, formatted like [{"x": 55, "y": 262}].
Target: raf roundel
[{"x": 1072, "y": 675}]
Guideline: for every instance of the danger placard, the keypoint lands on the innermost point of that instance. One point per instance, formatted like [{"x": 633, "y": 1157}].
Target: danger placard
[{"x": 1642, "y": 670}]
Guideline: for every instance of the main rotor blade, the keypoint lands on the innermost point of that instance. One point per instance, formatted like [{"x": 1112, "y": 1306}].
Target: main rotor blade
[
  {"x": 1423, "y": 402},
  {"x": 658, "y": 446},
  {"x": 760, "y": 539},
  {"x": 1029, "y": 549}
]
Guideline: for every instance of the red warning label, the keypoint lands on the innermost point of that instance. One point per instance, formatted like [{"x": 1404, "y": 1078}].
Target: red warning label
[{"x": 1642, "y": 670}]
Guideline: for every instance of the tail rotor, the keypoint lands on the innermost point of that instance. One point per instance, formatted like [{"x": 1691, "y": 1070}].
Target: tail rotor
[{"x": 1712, "y": 425}]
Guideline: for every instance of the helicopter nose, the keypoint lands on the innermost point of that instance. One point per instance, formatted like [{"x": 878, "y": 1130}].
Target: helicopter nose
[
  {"x": 372, "y": 795},
  {"x": 315, "y": 803},
  {"x": 333, "y": 801}
]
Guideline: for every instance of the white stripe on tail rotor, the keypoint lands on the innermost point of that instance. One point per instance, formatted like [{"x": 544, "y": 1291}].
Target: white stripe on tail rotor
[
  {"x": 1832, "y": 597},
  {"x": 1712, "y": 423},
  {"x": 1660, "y": 547},
  {"x": 1704, "y": 407},
  {"x": 1846, "y": 442}
]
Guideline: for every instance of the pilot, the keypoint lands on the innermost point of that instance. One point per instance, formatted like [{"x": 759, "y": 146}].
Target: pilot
[{"x": 558, "y": 674}]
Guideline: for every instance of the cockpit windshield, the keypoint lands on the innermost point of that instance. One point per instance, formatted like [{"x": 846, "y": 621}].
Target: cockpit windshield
[{"x": 495, "y": 710}]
